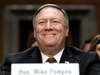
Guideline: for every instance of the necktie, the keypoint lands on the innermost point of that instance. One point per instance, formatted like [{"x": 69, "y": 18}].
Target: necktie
[{"x": 51, "y": 60}]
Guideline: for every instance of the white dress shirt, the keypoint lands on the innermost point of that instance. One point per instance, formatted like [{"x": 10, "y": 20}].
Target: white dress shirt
[{"x": 57, "y": 56}]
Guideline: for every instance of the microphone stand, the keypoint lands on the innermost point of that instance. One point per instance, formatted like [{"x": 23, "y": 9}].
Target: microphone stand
[{"x": 87, "y": 52}]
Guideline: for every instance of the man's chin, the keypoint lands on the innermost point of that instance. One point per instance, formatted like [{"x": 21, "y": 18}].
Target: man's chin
[{"x": 49, "y": 45}]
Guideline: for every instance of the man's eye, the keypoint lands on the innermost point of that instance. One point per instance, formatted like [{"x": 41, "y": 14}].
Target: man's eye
[
  {"x": 56, "y": 22},
  {"x": 41, "y": 22},
  {"x": 98, "y": 48}
]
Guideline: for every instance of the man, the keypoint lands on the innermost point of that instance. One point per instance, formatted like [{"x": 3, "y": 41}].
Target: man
[{"x": 50, "y": 30}]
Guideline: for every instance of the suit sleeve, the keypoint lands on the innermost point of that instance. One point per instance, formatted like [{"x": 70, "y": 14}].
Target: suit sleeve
[
  {"x": 6, "y": 68},
  {"x": 95, "y": 67}
]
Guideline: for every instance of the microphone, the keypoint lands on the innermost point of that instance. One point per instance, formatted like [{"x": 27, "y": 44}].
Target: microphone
[{"x": 96, "y": 42}]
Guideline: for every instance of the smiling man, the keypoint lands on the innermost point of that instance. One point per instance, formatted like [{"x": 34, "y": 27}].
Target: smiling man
[{"x": 50, "y": 30}]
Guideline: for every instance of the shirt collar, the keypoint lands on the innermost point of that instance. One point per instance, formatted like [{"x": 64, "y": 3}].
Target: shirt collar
[{"x": 57, "y": 56}]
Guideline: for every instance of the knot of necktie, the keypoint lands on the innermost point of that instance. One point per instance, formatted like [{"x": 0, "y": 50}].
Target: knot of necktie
[{"x": 51, "y": 60}]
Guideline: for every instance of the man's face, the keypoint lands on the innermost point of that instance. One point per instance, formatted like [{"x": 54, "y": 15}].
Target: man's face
[{"x": 50, "y": 29}]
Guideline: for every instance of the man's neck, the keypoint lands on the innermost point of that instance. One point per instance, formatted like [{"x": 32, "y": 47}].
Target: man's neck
[
  {"x": 50, "y": 51},
  {"x": 57, "y": 56}
]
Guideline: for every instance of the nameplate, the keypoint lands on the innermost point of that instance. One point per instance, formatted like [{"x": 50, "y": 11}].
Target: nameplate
[{"x": 45, "y": 69}]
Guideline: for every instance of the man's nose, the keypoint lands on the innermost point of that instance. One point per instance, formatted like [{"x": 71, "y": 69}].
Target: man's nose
[{"x": 48, "y": 26}]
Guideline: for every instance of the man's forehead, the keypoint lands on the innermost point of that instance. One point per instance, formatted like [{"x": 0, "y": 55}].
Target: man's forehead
[
  {"x": 49, "y": 12},
  {"x": 49, "y": 7}
]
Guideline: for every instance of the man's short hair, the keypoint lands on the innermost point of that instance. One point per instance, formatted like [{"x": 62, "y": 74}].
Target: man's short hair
[{"x": 54, "y": 6}]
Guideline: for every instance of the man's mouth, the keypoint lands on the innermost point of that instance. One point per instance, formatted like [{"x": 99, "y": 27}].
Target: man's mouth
[{"x": 49, "y": 35}]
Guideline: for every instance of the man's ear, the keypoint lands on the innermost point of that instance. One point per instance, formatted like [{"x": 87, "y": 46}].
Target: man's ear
[
  {"x": 67, "y": 30},
  {"x": 34, "y": 32}
]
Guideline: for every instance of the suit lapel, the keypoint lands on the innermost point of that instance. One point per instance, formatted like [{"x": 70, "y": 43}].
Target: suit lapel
[
  {"x": 67, "y": 56},
  {"x": 35, "y": 57}
]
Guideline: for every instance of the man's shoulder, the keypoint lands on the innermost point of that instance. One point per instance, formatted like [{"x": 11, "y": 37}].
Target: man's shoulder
[
  {"x": 74, "y": 49},
  {"x": 27, "y": 51},
  {"x": 77, "y": 50},
  {"x": 78, "y": 53},
  {"x": 14, "y": 57}
]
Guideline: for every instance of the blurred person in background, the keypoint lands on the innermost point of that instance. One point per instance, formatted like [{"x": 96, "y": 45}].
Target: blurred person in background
[
  {"x": 86, "y": 45},
  {"x": 97, "y": 47},
  {"x": 32, "y": 41}
]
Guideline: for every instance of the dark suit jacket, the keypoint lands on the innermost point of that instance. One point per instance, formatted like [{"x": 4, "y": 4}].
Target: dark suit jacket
[{"x": 88, "y": 66}]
